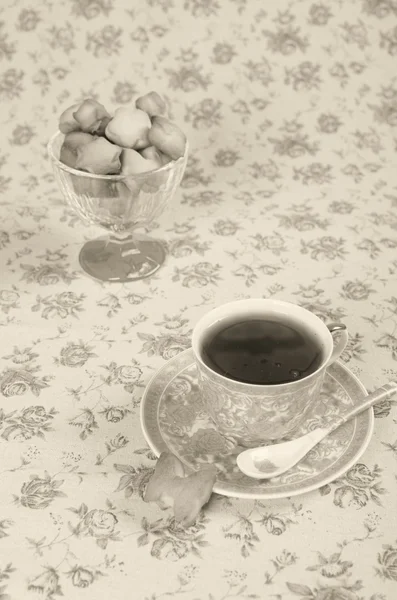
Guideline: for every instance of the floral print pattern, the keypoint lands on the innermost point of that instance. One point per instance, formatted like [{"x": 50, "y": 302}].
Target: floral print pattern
[{"x": 290, "y": 109}]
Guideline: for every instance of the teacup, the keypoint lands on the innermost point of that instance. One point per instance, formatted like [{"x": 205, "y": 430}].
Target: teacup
[{"x": 250, "y": 413}]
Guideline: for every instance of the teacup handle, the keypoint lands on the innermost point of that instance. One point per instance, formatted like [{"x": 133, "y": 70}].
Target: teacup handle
[{"x": 340, "y": 345}]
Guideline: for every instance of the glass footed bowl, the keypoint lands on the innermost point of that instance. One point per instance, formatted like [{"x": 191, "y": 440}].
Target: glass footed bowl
[{"x": 119, "y": 204}]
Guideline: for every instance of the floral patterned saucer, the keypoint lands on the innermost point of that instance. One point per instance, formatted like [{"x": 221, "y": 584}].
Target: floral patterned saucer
[{"x": 173, "y": 418}]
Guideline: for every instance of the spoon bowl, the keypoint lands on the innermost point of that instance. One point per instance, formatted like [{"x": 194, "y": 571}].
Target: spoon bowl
[{"x": 265, "y": 462}]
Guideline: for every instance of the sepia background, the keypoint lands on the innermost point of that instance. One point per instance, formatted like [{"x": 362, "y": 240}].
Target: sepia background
[{"x": 290, "y": 192}]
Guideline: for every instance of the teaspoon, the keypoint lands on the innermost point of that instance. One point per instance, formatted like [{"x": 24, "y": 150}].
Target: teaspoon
[{"x": 265, "y": 462}]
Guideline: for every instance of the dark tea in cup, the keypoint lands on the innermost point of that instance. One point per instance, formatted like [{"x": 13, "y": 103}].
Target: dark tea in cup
[
  {"x": 262, "y": 351},
  {"x": 261, "y": 365}
]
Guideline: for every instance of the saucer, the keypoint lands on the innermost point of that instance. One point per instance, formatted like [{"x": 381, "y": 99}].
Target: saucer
[{"x": 173, "y": 418}]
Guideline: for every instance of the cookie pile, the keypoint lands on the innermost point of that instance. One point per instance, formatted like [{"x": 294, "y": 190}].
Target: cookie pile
[{"x": 134, "y": 140}]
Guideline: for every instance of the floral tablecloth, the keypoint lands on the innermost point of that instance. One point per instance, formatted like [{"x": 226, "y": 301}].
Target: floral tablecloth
[{"x": 290, "y": 192}]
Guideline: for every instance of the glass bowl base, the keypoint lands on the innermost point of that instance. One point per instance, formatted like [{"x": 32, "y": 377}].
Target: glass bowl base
[{"x": 114, "y": 260}]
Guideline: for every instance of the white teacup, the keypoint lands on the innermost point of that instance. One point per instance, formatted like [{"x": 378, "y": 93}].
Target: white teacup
[{"x": 255, "y": 413}]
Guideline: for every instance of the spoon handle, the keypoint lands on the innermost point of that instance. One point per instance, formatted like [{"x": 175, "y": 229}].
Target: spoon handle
[{"x": 386, "y": 391}]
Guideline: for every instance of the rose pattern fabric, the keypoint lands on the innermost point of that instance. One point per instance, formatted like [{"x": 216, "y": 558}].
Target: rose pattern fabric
[
  {"x": 39, "y": 493},
  {"x": 290, "y": 109},
  {"x": 82, "y": 578},
  {"x": 99, "y": 523},
  {"x": 17, "y": 382}
]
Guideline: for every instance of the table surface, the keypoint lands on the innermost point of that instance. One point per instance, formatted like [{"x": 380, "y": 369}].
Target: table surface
[{"x": 290, "y": 192}]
